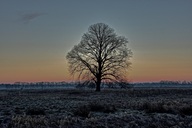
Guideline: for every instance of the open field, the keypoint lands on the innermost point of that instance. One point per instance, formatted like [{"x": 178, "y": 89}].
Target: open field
[{"x": 158, "y": 108}]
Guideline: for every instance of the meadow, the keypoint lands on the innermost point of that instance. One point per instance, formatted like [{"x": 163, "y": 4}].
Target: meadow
[{"x": 133, "y": 108}]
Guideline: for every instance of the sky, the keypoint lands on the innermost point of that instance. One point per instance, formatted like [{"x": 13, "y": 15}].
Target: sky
[{"x": 36, "y": 35}]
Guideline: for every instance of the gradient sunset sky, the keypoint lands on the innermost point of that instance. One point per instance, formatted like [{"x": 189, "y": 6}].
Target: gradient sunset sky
[{"x": 35, "y": 36}]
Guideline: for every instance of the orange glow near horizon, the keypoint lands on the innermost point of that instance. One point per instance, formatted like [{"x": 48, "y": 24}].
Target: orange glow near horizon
[
  {"x": 48, "y": 72},
  {"x": 157, "y": 69},
  {"x": 141, "y": 71}
]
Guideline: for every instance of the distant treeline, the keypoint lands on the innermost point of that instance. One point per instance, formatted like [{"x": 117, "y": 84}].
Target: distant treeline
[
  {"x": 37, "y": 85},
  {"x": 163, "y": 83},
  {"x": 59, "y": 85}
]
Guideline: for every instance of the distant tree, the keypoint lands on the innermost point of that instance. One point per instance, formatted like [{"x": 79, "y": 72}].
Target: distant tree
[{"x": 100, "y": 56}]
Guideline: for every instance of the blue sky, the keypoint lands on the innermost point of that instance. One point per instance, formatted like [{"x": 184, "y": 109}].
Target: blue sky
[{"x": 35, "y": 36}]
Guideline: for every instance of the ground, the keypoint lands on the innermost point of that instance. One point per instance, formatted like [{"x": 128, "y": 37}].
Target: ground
[{"x": 151, "y": 108}]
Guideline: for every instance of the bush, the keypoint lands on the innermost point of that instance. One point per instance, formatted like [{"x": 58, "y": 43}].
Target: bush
[
  {"x": 106, "y": 108},
  {"x": 84, "y": 110},
  {"x": 186, "y": 110},
  {"x": 154, "y": 107},
  {"x": 35, "y": 111}
]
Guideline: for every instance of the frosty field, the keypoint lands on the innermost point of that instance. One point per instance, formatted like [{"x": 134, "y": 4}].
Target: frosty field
[{"x": 158, "y": 108}]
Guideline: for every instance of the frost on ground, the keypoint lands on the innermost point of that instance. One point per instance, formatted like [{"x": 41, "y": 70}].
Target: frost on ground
[{"x": 158, "y": 108}]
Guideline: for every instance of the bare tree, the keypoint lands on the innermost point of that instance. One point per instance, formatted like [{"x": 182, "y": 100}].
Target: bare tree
[{"x": 100, "y": 56}]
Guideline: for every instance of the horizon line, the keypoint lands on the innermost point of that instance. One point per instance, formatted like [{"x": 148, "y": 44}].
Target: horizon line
[{"x": 71, "y": 81}]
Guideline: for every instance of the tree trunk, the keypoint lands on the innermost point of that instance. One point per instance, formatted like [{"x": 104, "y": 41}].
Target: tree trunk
[
  {"x": 98, "y": 83},
  {"x": 98, "y": 86}
]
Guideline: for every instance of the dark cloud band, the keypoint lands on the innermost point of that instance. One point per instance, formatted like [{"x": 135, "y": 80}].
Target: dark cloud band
[{"x": 30, "y": 16}]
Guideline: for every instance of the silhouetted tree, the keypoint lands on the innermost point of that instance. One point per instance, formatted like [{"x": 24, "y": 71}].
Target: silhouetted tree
[{"x": 100, "y": 56}]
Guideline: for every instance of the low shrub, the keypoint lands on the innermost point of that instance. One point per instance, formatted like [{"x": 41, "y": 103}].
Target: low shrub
[
  {"x": 186, "y": 110},
  {"x": 154, "y": 107},
  {"x": 35, "y": 111},
  {"x": 84, "y": 110},
  {"x": 106, "y": 108}
]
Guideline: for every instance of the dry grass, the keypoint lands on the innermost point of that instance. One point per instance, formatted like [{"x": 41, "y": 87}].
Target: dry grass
[{"x": 86, "y": 108}]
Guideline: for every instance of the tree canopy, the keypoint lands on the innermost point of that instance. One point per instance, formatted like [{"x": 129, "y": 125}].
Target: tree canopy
[{"x": 100, "y": 56}]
